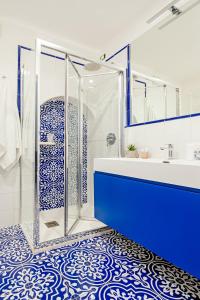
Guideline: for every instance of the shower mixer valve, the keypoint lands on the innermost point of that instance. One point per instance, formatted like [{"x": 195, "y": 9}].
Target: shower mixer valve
[{"x": 111, "y": 139}]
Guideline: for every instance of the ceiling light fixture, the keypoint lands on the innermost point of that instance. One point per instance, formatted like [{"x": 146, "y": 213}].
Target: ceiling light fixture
[
  {"x": 162, "y": 11},
  {"x": 174, "y": 10},
  {"x": 179, "y": 14}
]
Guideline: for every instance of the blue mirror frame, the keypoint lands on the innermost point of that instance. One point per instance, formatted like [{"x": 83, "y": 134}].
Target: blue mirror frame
[{"x": 128, "y": 100}]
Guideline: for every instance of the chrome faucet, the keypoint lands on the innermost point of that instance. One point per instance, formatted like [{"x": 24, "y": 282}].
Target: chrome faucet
[
  {"x": 197, "y": 154},
  {"x": 169, "y": 148}
]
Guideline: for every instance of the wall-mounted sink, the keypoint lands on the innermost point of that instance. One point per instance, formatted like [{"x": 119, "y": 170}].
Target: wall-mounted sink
[{"x": 177, "y": 172}]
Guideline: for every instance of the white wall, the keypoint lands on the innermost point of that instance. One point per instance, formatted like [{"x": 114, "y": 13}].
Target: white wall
[
  {"x": 178, "y": 132},
  {"x": 12, "y": 35}
]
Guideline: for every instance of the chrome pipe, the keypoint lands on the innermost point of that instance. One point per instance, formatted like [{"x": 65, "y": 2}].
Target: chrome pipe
[
  {"x": 121, "y": 113},
  {"x": 36, "y": 239},
  {"x": 66, "y": 162}
]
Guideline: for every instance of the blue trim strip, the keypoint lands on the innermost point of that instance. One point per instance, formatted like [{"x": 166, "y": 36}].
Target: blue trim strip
[
  {"x": 77, "y": 63},
  {"x": 20, "y": 47},
  {"x": 51, "y": 55},
  {"x": 164, "y": 120},
  {"x": 61, "y": 58},
  {"x": 25, "y": 48},
  {"x": 174, "y": 186},
  {"x": 128, "y": 79},
  {"x": 128, "y": 88},
  {"x": 19, "y": 71},
  {"x": 145, "y": 89},
  {"x": 19, "y": 79},
  {"x": 116, "y": 53}
]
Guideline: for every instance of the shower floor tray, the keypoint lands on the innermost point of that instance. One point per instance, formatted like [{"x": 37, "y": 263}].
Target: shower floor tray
[{"x": 53, "y": 236}]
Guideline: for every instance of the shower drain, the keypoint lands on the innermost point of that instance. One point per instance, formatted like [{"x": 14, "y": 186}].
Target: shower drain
[{"x": 51, "y": 224}]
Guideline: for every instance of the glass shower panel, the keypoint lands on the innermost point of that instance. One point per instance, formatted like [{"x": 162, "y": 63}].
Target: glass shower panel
[
  {"x": 100, "y": 96},
  {"x": 101, "y": 105},
  {"x": 27, "y": 114},
  {"x": 78, "y": 120},
  {"x": 73, "y": 144},
  {"x": 51, "y": 158}
]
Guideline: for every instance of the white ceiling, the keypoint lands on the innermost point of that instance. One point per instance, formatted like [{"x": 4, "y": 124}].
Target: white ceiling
[{"x": 97, "y": 24}]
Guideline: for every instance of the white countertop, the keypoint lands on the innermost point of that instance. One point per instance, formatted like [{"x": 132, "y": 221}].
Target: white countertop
[{"x": 177, "y": 172}]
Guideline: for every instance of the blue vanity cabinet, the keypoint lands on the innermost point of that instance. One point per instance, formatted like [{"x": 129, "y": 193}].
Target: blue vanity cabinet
[{"x": 161, "y": 217}]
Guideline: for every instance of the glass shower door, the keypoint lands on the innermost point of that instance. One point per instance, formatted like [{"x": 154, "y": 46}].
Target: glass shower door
[
  {"x": 72, "y": 204},
  {"x": 57, "y": 143},
  {"x": 51, "y": 144},
  {"x": 26, "y": 86}
]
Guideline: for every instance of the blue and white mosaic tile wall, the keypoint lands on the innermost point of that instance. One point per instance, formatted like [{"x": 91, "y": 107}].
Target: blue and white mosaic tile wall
[
  {"x": 84, "y": 160},
  {"x": 51, "y": 183}
]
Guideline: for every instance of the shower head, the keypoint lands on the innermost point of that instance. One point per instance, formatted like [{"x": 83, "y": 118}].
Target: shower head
[{"x": 92, "y": 66}]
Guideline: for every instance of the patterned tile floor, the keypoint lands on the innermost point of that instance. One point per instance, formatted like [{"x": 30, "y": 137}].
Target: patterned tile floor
[{"x": 107, "y": 267}]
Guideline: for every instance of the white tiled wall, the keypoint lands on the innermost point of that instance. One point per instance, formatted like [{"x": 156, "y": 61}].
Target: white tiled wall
[
  {"x": 9, "y": 197},
  {"x": 178, "y": 132}
]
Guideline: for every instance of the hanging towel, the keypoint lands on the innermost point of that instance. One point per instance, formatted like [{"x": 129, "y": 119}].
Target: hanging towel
[{"x": 10, "y": 130}]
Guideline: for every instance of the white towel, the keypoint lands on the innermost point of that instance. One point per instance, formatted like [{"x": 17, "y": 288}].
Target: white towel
[{"x": 10, "y": 129}]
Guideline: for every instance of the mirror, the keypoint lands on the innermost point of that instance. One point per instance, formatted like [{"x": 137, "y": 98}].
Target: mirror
[{"x": 166, "y": 69}]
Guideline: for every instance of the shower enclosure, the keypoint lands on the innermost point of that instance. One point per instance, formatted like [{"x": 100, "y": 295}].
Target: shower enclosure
[{"x": 70, "y": 114}]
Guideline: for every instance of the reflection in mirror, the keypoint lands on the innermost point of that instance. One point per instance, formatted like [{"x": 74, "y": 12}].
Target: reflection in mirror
[{"x": 165, "y": 79}]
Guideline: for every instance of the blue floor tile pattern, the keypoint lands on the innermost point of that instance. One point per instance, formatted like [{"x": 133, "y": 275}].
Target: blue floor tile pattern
[{"x": 107, "y": 267}]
